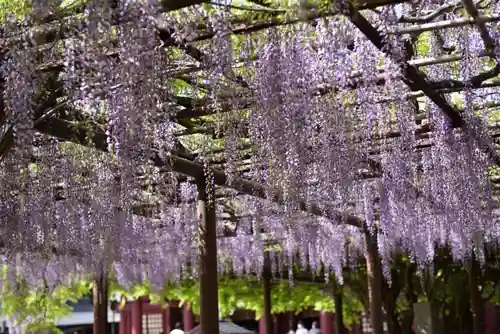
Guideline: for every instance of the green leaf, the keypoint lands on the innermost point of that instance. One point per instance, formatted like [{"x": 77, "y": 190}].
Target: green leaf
[{"x": 423, "y": 44}]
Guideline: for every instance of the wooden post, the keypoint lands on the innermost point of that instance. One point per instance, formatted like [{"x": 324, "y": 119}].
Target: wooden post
[
  {"x": 166, "y": 319},
  {"x": 326, "y": 322},
  {"x": 187, "y": 317},
  {"x": 291, "y": 320},
  {"x": 136, "y": 316},
  {"x": 262, "y": 325},
  {"x": 124, "y": 327},
  {"x": 268, "y": 317},
  {"x": 374, "y": 273},
  {"x": 100, "y": 304},
  {"x": 339, "y": 316},
  {"x": 476, "y": 300},
  {"x": 123, "y": 321},
  {"x": 207, "y": 246},
  {"x": 276, "y": 323}
]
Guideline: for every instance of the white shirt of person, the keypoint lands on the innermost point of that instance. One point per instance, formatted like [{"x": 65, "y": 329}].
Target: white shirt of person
[
  {"x": 315, "y": 329},
  {"x": 177, "y": 331},
  {"x": 301, "y": 330}
]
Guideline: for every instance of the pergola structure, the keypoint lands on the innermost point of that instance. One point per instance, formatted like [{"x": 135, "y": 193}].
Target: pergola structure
[{"x": 52, "y": 120}]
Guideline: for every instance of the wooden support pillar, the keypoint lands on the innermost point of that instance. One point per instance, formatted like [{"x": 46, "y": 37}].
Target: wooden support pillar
[
  {"x": 122, "y": 329},
  {"x": 492, "y": 318},
  {"x": 268, "y": 317},
  {"x": 326, "y": 322},
  {"x": 476, "y": 300},
  {"x": 136, "y": 317},
  {"x": 292, "y": 320},
  {"x": 262, "y": 325},
  {"x": 165, "y": 318},
  {"x": 356, "y": 329},
  {"x": 100, "y": 304},
  {"x": 187, "y": 317},
  {"x": 279, "y": 324},
  {"x": 374, "y": 273},
  {"x": 287, "y": 321},
  {"x": 207, "y": 243},
  {"x": 339, "y": 315}
]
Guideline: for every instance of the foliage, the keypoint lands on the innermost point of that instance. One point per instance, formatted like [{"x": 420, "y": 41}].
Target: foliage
[
  {"x": 247, "y": 293},
  {"x": 22, "y": 8},
  {"x": 18, "y": 8},
  {"x": 42, "y": 307}
]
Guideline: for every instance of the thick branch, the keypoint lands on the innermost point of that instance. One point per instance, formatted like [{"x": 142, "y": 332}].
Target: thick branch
[
  {"x": 243, "y": 29},
  {"x": 417, "y": 80},
  {"x": 82, "y": 135},
  {"x": 471, "y": 9}
]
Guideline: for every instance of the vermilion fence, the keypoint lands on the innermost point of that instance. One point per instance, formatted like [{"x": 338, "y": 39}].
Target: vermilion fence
[{"x": 141, "y": 317}]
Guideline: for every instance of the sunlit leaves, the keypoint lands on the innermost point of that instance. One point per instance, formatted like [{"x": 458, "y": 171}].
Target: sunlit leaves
[
  {"x": 37, "y": 308},
  {"x": 423, "y": 44},
  {"x": 17, "y": 8},
  {"x": 247, "y": 294}
]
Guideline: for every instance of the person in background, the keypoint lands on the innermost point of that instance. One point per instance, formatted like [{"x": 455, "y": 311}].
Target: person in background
[
  {"x": 315, "y": 329},
  {"x": 177, "y": 329},
  {"x": 291, "y": 331},
  {"x": 301, "y": 329}
]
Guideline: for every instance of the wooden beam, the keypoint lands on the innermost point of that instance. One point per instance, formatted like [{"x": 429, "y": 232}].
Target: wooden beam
[{"x": 207, "y": 243}]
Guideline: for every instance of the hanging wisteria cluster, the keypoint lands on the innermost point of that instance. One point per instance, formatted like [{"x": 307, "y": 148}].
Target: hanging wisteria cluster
[{"x": 321, "y": 117}]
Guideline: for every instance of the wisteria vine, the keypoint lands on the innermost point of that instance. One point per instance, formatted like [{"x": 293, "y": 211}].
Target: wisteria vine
[{"x": 329, "y": 121}]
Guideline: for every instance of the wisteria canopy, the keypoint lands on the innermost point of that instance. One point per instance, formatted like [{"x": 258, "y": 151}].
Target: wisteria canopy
[{"x": 314, "y": 120}]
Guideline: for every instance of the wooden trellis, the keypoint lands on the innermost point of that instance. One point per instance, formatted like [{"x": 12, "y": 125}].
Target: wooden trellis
[{"x": 190, "y": 111}]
